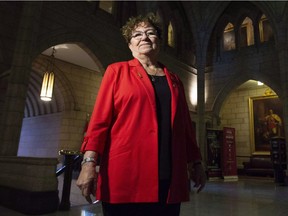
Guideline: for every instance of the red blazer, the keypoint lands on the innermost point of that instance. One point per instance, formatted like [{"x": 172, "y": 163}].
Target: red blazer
[{"x": 123, "y": 130}]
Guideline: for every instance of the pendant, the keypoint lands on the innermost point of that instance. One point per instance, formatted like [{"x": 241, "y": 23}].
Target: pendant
[{"x": 152, "y": 78}]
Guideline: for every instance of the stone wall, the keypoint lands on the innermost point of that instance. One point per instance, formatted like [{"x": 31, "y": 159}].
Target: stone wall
[
  {"x": 235, "y": 113},
  {"x": 29, "y": 185}
]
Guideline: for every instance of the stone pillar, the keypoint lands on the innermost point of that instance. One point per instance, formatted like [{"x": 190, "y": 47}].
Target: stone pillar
[
  {"x": 201, "y": 105},
  {"x": 283, "y": 66},
  {"x": 13, "y": 111}
]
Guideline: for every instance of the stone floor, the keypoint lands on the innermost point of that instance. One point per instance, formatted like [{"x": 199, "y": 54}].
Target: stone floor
[{"x": 245, "y": 197}]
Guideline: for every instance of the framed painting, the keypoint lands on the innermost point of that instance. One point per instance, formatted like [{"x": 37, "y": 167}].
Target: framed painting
[{"x": 266, "y": 121}]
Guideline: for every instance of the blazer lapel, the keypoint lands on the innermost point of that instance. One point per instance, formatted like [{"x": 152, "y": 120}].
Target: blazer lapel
[
  {"x": 174, "y": 88},
  {"x": 138, "y": 71}
]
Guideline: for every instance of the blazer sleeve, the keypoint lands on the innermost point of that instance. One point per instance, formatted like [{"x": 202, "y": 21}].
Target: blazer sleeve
[{"x": 100, "y": 122}]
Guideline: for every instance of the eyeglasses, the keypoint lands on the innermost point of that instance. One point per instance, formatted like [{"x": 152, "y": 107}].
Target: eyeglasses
[{"x": 138, "y": 35}]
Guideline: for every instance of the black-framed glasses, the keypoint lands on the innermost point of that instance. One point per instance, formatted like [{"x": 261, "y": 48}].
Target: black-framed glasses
[{"x": 151, "y": 33}]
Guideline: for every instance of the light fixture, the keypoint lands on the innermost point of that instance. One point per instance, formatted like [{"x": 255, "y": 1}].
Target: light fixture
[{"x": 48, "y": 80}]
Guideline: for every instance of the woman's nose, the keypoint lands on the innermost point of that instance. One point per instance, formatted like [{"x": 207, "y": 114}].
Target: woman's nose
[{"x": 144, "y": 36}]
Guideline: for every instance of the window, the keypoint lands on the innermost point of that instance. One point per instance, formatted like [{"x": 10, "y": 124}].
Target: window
[
  {"x": 247, "y": 33},
  {"x": 229, "y": 37},
  {"x": 106, "y": 6},
  {"x": 265, "y": 30},
  {"x": 171, "y": 38}
]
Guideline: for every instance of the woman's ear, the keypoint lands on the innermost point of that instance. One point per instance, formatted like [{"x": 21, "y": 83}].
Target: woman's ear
[{"x": 129, "y": 45}]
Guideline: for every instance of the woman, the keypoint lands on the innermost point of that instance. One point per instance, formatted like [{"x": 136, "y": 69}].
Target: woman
[{"x": 141, "y": 128}]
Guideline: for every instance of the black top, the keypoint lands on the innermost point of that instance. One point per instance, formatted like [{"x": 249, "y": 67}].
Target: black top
[{"x": 163, "y": 102}]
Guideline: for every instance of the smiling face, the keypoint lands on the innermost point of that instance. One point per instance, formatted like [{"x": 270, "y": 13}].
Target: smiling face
[{"x": 144, "y": 41}]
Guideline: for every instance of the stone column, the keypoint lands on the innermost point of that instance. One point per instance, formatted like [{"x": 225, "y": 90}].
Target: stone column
[
  {"x": 13, "y": 111},
  {"x": 283, "y": 66},
  {"x": 201, "y": 104}
]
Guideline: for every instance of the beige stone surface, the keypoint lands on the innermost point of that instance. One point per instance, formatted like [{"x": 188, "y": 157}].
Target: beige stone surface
[{"x": 28, "y": 173}]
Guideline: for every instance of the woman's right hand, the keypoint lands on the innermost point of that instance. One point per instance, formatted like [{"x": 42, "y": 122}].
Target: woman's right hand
[{"x": 87, "y": 180}]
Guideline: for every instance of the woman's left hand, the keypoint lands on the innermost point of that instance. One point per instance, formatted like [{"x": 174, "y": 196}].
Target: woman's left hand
[{"x": 198, "y": 176}]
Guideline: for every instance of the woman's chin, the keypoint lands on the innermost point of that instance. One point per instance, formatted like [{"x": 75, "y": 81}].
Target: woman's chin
[{"x": 148, "y": 51}]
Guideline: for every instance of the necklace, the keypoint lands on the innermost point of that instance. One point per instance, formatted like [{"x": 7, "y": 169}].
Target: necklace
[{"x": 151, "y": 74}]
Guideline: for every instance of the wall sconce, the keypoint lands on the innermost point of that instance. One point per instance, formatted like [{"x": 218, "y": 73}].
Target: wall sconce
[{"x": 48, "y": 80}]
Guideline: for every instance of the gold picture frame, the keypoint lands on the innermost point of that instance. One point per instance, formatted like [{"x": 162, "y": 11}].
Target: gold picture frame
[{"x": 266, "y": 121}]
